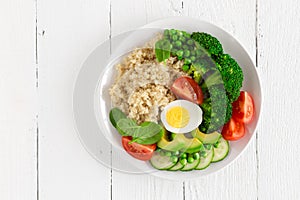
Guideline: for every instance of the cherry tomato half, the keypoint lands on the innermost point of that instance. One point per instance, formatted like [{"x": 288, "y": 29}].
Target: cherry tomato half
[
  {"x": 233, "y": 130},
  {"x": 243, "y": 108},
  {"x": 186, "y": 88},
  {"x": 138, "y": 151}
]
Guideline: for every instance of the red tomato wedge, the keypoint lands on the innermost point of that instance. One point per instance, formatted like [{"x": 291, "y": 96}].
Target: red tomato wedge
[
  {"x": 138, "y": 151},
  {"x": 186, "y": 88},
  {"x": 233, "y": 130},
  {"x": 243, "y": 108}
]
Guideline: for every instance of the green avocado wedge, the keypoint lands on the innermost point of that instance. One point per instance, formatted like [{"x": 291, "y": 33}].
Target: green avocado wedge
[
  {"x": 180, "y": 143},
  {"x": 175, "y": 145},
  {"x": 210, "y": 138}
]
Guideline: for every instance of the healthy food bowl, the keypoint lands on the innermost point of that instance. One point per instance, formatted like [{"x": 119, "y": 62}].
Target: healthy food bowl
[{"x": 178, "y": 98}]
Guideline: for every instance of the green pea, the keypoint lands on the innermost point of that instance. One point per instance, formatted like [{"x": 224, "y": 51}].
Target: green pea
[
  {"x": 196, "y": 156},
  {"x": 186, "y": 53},
  {"x": 172, "y": 32},
  {"x": 193, "y": 53},
  {"x": 179, "y": 33},
  {"x": 174, "y": 159},
  {"x": 178, "y": 43},
  {"x": 193, "y": 58},
  {"x": 185, "y": 68},
  {"x": 179, "y": 53},
  {"x": 182, "y": 39},
  {"x": 179, "y": 57},
  {"x": 185, "y": 46},
  {"x": 174, "y": 37},
  {"x": 190, "y": 159},
  {"x": 203, "y": 154},
  {"x": 183, "y": 155},
  {"x": 190, "y": 42},
  {"x": 168, "y": 153},
  {"x": 183, "y": 161},
  {"x": 166, "y": 32},
  {"x": 187, "y": 61}
]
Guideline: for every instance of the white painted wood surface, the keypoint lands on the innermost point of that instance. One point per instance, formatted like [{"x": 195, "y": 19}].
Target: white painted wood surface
[{"x": 40, "y": 154}]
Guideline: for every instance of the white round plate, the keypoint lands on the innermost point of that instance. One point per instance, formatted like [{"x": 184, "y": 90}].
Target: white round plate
[{"x": 91, "y": 100}]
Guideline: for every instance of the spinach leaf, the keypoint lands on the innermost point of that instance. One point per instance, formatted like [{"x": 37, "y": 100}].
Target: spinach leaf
[
  {"x": 115, "y": 115},
  {"x": 149, "y": 133},
  {"x": 128, "y": 127}
]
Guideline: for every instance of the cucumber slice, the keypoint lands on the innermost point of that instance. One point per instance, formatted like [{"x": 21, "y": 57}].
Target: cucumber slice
[
  {"x": 191, "y": 166},
  {"x": 161, "y": 162},
  {"x": 222, "y": 151},
  {"x": 205, "y": 162},
  {"x": 176, "y": 167}
]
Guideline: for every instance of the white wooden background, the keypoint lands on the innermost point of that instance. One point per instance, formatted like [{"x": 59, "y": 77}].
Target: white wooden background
[{"x": 42, "y": 46}]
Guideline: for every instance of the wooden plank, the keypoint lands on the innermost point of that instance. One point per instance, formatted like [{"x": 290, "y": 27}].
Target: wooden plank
[
  {"x": 18, "y": 102},
  {"x": 237, "y": 181},
  {"x": 127, "y": 16},
  {"x": 278, "y": 48},
  {"x": 67, "y": 32}
]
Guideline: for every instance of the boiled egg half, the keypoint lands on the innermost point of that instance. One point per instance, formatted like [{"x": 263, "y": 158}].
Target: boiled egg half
[{"x": 181, "y": 116}]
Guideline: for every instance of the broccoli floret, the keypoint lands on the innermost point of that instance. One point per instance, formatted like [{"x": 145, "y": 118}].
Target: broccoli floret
[
  {"x": 201, "y": 67},
  {"x": 216, "y": 109},
  {"x": 207, "y": 41},
  {"x": 232, "y": 75}
]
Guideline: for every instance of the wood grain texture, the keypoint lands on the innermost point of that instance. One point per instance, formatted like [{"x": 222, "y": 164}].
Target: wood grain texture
[
  {"x": 67, "y": 32},
  {"x": 278, "y": 45},
  {"x": 18, "y": 177}
]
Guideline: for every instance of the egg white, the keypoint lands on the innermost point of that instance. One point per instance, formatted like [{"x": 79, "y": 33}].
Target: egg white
[{"x": 195, "y": 113}]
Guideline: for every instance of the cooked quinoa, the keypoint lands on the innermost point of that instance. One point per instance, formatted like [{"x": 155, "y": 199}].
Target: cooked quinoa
[{"x": 142, "y": 86}]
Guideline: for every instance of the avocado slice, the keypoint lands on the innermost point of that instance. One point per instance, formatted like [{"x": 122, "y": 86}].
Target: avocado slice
[
  {"x": 192, "y": 145},
  {"x": 180, "y": 142},
  {"x": 175, "y": 145},
  {"x": 209, "y": 138}
]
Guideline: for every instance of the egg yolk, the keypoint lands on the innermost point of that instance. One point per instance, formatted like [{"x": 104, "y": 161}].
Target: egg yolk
[{"x": 177, "y": 117}]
